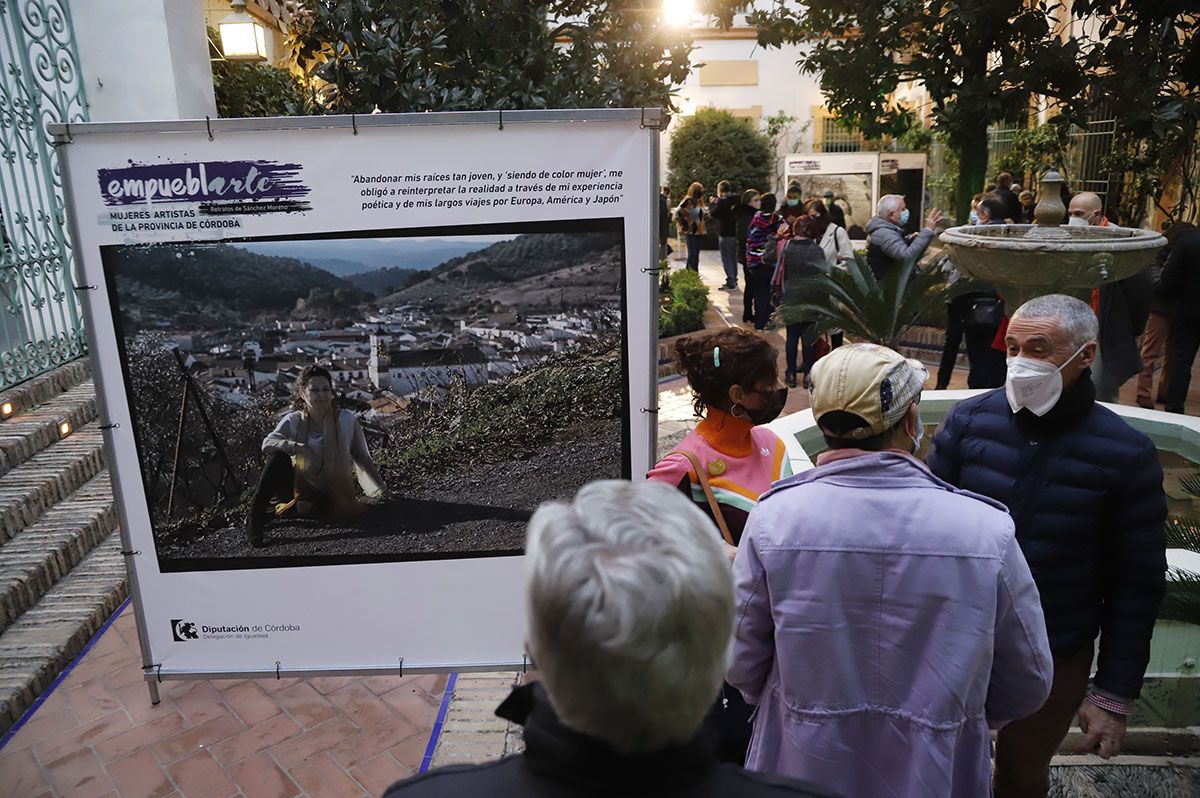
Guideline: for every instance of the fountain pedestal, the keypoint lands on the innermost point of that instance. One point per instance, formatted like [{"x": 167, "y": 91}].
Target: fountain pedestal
[{"x": 1028, "y": 260}]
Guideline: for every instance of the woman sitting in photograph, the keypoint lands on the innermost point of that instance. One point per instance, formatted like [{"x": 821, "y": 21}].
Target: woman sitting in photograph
[{"x": 314, "y": 455}]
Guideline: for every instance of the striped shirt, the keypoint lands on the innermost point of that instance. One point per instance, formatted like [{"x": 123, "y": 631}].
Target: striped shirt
[{"x": 742, "y": 461}]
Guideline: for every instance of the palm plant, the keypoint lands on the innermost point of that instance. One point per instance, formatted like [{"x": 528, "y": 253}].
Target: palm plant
[{"x": 869, "y": 310}]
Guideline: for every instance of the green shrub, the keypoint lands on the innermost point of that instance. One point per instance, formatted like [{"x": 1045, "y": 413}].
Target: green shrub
[
  {"x": 243, "y": 89},
  {"x": 682, "y": 310},
  {"x": 715, "y": 145}
]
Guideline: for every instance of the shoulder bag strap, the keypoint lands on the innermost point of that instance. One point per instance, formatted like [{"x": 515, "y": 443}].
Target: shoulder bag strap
[{"x": 701, "y": 475}]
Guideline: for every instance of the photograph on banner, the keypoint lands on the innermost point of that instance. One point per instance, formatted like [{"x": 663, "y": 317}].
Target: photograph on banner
[
  {"x": 851, "y": 191},
  {"x": 370, "y": 397}
]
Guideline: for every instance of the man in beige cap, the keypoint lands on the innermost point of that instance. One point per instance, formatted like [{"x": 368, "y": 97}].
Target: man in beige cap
[{"x": 886, "y": 620}]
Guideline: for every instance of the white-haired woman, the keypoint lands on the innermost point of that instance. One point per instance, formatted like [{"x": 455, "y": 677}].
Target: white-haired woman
[{"x": 630, "y": 615}]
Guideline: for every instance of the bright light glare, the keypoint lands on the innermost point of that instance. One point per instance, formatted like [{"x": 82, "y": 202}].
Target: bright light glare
[
  {"x": 679, "y": 12},
  {"x": 243, "y": 39}
]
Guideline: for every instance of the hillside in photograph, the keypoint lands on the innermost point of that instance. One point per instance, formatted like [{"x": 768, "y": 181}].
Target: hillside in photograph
[
  {"x": 533, "y": 272},
  {"x": 174, "y": 286}
]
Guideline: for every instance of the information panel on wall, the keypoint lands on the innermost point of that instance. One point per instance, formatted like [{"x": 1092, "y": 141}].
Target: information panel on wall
[
  {"x": 852, "y": 177},
  {"x": 342, "y": 360}
]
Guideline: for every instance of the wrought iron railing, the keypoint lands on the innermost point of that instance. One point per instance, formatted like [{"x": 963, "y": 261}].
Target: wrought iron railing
[
  {"x": 40, "y": 322},
  {"x": 1083, "y": 162}
]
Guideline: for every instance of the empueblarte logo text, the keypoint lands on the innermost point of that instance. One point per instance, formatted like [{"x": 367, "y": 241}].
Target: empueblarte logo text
[{"x": 222, "y": 187}]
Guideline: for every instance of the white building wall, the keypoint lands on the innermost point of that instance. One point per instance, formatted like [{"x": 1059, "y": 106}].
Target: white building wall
[
  {"x": 144, "y": 59},
  {"x": 780, "y": 87}
]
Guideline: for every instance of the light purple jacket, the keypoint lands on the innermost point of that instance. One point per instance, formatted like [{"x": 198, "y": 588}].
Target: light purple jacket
[{"x": 885, "y": 621}]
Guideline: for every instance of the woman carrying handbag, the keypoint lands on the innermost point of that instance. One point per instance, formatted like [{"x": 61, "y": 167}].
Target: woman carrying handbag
[{"x": 729, "y": 460}]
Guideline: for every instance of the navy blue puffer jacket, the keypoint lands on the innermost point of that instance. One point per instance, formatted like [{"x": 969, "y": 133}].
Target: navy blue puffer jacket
[{"x": 1085, "y": 491}]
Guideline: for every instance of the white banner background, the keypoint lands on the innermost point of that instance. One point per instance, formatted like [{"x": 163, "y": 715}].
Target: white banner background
[{"x": 438, "y": 614}]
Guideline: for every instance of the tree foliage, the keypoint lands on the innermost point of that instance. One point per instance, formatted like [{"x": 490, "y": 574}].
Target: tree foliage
[
  {"x": 245, "y": 89},
  {"x": 255, "y": 90},
  {"x": 435, "y": 55},
  {"x": 982, "y": 60},
  {"x": 715, "y": 145}
]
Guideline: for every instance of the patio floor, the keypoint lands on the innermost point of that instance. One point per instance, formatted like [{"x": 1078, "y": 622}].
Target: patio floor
[{"x": 96, "y": 734}]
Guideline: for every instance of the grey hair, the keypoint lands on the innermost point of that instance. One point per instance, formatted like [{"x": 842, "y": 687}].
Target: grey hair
[
  {"x": 630, "y": 609},
  {"x": 1075, "y": 317},
  {"x": 889, "y": 203}
]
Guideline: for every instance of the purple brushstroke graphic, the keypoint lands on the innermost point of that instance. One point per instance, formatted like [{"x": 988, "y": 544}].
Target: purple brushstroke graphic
[{"x": 151, "y": 184}]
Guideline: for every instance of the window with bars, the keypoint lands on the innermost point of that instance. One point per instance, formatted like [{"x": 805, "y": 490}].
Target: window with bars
[{"x": 837, "y": 137}]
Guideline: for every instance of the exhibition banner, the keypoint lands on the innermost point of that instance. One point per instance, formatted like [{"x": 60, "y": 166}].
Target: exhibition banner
[
  {"x": 342, "y": 360},
  {"x": 853, "y": 177}
]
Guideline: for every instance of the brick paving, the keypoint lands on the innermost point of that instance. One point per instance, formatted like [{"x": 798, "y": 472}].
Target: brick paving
[{"x": 97, "y": 734}]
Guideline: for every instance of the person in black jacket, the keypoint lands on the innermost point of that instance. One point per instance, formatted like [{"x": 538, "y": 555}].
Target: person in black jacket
[
  {"x": 722, "y": 212},
  {"x": 836, "y": 214},
  {"x": 975, "y": 315},
  {"x": 743, "y": 213},
  {"x": 1181, "y": 279},
  {"x": 630, "y": 609},
  {"x": 1085, "y": 492},
  {"x": 664, "y": 222},
  {"x": 1012, "y": 203}
]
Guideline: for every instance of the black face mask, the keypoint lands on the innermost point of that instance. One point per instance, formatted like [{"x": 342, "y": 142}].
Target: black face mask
[{"x": 773, "y": 402}]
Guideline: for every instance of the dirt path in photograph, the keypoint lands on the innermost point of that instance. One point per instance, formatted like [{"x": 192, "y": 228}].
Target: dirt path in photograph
[{"x": 480, "y": 508}]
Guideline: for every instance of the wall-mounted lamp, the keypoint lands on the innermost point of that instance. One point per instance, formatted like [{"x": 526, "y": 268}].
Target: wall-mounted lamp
[
  {"x": 64, "y": 428},
  {"x": 6, "y": 409},
  {"x": 242, "y": 39}
]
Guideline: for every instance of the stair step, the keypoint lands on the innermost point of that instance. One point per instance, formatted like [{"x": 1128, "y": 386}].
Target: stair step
[
  {"x": 44, "y": 387},
  {"x": 35, "y": 648},
  {"x": 26, "y": 434},
  {"x": 49, "y": 477},
  {"x": 46, "y": 551}
]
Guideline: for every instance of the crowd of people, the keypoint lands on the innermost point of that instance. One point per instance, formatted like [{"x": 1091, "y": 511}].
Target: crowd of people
[
  {"x": 860, "y": 628},
  {"x": 864, "y": 627},
  {"x": 1149, "y": 323}
]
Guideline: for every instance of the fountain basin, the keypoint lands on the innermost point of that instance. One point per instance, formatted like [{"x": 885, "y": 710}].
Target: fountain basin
[{"x": 1036, "y": 260}]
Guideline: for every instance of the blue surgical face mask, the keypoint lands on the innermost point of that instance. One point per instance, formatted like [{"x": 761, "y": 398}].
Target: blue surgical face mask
[{"x": 904, "y": 217}]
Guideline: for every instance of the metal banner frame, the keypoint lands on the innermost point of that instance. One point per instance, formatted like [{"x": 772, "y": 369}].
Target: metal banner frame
[{"x": 652, "y": 119}]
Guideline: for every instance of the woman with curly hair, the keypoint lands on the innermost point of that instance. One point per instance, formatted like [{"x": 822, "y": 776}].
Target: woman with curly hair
[
  {"x": 313, "y": 455},
  {"x": 735, "y": 385}
]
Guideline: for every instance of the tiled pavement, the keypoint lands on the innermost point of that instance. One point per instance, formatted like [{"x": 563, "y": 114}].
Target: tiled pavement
[{"x": 96, "y": 735}]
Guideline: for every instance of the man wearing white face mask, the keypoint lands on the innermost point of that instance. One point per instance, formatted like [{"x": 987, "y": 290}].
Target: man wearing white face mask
[
  {"x": 887, "y": 246},
  {"x": 879, "y": 643},
  {"x": 1085, "y": 491}
]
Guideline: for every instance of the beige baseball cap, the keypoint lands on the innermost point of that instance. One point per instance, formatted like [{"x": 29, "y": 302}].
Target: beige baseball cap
[{"x": 873, "y": 382}]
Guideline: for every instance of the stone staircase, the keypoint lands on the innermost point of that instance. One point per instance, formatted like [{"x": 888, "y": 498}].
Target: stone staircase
[{"x": 61, "y": 572}]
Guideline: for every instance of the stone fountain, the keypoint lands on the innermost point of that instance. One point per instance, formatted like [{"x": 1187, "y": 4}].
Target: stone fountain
[{"x": 1049, "y": 257}]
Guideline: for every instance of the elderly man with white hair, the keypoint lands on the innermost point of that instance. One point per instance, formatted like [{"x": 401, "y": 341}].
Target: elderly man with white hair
[
  {"x": 630, "y": 610},
  {"x": 1086, "y": 494},
  {"x": 887, "y": 245}
]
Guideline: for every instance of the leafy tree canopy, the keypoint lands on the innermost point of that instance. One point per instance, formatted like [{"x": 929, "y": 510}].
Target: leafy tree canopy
[
  {"x": 436, "y": 55},
  {"x": 982, "y": 60},
  {"x": 715, "y": 145}
]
